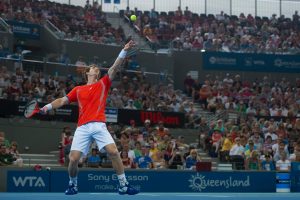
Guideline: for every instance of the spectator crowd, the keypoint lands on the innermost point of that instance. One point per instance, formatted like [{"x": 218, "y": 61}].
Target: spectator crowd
[
  {"x": 254, "y": 140},
  {"x": 263, "y": 144},
  {"x": 9, "y": 154},
  {"x": 130, "y": 92},
  {"x": 72, "y": 22},
  {"x": 278, "y": 98},
  {"x": 253, "y": 137},
  {"x": 182, "y": 29},
  {"x": 146, "y": 147},
  {"x": 185, "y": 30}
]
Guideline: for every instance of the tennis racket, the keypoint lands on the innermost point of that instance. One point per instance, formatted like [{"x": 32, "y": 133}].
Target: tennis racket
[{"x": 31, "y": 109}]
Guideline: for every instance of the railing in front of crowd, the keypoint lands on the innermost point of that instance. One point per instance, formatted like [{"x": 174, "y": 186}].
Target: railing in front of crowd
[
  {"x": 53, "y": 67},
  {"x": 56, "y": 32},
  {"x": 4, "y": 26},
  {"x": 208, "y": 117},
  {"x": 236, "y": 116}
]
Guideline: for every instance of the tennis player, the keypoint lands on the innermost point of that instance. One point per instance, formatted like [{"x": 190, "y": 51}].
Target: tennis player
[{"x": 91, "y": 99}]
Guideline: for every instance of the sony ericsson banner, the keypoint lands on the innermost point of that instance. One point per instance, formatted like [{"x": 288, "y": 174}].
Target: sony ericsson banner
[
  {"x": 251, "y": 62},
  {"x": 25, "y": 30},
  {"x": 28, "y": 181},
  {"x": 172, "y": 181}
]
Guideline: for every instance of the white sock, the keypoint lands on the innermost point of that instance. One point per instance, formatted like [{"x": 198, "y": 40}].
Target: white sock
[
  {"x": 73, "y": 180},
  {"x": 122, "y": 179}
]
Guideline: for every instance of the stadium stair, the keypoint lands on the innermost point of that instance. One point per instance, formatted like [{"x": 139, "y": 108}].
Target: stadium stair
[
  {"x": 45, "y": 160},
  {"x": 4, "y": 26},
  {"x": 115, "y": 20},
  {"x": 209, "y": 116},
  {"x": 206, "y": 158}
]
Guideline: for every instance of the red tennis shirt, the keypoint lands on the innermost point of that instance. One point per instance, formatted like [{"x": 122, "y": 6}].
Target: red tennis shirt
[{"x": 91, "y": 100}]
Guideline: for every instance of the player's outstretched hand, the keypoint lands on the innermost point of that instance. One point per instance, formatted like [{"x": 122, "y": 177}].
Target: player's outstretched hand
[{"x": 129, "y": 45}]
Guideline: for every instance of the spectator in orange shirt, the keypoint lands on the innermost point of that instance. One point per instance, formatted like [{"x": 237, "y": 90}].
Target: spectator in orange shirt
[
  {"x": 216, "y": 139},
  {"x": 281, "y": 131},
  {"x": 161, "y": 130},
  {"x": 204, "y": 94}
]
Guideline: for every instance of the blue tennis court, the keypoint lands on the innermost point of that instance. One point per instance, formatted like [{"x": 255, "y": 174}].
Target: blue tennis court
[{"x": 150, "y": 196}]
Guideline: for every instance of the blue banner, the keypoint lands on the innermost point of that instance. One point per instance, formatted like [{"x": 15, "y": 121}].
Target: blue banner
[
  {"x": 145, "y": 181},
  {"x": 283, "y": 182},
  {"x": 295, "y": 177},
  {"x": 295, "y": 167},
  {"x": 169, "y": 181},
  {"x": 107, "y": 1},
  {"x": 251, "y": 62},
  {"x": 28, "y": 181},
  {"x": 116, "y": 1},
  {"x": 25, "y": 30},
  {"x": 111, "y": 115}
]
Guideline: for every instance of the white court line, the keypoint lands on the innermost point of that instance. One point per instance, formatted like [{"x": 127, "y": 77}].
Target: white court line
[
  {"x": 140, "y": 194},
  {"x": 174, "y": 194},
  {"x": 204, "y": 195}
]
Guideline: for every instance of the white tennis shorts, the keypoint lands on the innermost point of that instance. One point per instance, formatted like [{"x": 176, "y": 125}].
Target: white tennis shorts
[{"x": 87, "y": 133}]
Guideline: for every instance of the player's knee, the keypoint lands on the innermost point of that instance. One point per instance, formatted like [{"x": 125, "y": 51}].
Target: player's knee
[
  {"x": 73, "y": 158},
  {"x": 114, "y": 154}
]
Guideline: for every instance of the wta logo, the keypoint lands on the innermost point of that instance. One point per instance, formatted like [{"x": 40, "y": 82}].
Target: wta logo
[
  {"x": 200, "y": 182},
  {"x": 28, "y": 181}
]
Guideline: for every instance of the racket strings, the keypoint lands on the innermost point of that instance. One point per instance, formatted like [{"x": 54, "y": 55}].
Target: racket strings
[{"x": 30, "y": 109}]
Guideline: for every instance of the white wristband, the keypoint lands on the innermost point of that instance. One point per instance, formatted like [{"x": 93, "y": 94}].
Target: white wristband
[
  {"x": 49, "y": 106},
  {"x": 122, "y": 54}
]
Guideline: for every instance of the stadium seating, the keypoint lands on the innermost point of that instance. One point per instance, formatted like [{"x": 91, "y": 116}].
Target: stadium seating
[
  {"x": 73, "y": 22},
  {"x": 226, "y": 33},
  {"x": 246, "y": 108}
]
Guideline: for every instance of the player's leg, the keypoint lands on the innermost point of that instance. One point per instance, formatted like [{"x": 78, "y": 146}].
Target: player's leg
[
  {"x": 73, "y": 163},
  {"x": 80, "y": 145},
  {"x": 124, "y": 187},
  {"x": 114, "y": 155},
  {"x": 105, "y": 140}
]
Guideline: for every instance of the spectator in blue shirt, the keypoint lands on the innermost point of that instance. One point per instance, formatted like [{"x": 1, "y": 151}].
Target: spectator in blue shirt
[
  {"x": 94, "y": 159},
  {"x": 192, "y": 159},
  {"x": 144, "y": 161},
  {"x": 268, "y": 163}
]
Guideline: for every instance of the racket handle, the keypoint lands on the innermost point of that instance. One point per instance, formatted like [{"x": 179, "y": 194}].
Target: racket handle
[{"x": 45, "y": 109}]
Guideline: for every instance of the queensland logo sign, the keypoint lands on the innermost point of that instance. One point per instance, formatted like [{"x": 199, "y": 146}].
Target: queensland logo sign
[
  {"x": 202, "y": 183},
  {"x": 27, "y": 181}
]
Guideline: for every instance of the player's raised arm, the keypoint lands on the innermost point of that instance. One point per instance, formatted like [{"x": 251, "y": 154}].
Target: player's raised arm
[
  {"x": 57, "y": 103},
  {"x": 116, "y": 66}
]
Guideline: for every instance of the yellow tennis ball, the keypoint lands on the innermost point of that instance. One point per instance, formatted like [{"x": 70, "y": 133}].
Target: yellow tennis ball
[{"x": 133, "y": 18}]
